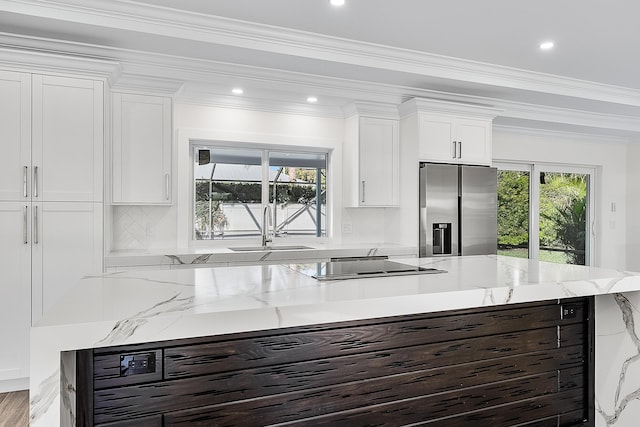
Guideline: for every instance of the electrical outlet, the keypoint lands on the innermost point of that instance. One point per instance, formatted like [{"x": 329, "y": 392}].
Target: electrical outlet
[{"x": 569, "y": 312}]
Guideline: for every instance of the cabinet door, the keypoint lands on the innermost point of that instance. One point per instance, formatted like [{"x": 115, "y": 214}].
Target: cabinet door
[
  {"x": 474, "y": 135},
  {"x": 437, "y": 139},
  {"x": 15, "y": 290},
  {"x": 15, "y": 136},
  {"x": 68, "y": 139},
  {"x": 378, "y": 162},
  {"x": 67, "y": 244},
  {"x": 141, "y": 149}
]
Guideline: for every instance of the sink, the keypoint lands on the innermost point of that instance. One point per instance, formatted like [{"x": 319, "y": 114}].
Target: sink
[{"x": 269, "y": 248}]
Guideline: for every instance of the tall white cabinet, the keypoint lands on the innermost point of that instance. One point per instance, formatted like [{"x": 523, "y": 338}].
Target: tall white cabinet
[{"x": 51, "y": 167}]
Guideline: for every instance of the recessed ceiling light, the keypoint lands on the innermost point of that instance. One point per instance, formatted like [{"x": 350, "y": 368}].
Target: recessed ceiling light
[
  {"x": 312, "y": 99},
  {"x": 237, "y": 91},
  {"x": 336, "y": 2},
  {"x": 546, "y": 45}
]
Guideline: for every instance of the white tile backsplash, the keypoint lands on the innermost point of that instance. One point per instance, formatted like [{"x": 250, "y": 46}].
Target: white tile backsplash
[{"x": 143, "y": 227}]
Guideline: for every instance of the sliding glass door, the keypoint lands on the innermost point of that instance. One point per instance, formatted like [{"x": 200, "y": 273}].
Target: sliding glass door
[{"x": 550, "y": 202}]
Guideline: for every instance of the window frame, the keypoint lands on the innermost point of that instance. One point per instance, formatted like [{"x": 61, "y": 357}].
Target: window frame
[
  {"x": 264, "y": 148},
  {"x": 534, "y": 169}
]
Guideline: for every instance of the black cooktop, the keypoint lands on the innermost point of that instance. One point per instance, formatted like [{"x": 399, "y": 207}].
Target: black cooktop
[{"x": 359, "y": 269}]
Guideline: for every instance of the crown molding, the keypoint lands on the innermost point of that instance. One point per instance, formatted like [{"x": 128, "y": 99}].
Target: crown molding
[
  {"x": 148, "y": 85},
  {"x": 167, "y": 22},
  {"x": 165, "y": 74},
  {"x": 415, "y": 105},
  {"x": 543, "y": 113},
  {"x": 262, "y": 105},
  {"x": 574, "y": 135},
  {"x": 381, "y": 111},
  {"x": 58, "y": 63}
]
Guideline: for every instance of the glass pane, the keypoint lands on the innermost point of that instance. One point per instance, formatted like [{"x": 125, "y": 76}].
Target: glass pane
[
  {"x": 228, "y": 192},
  {"x": 297, "y": 184},
  {"x": 513, "y": 213},
  {"x": 563, "y": 217}
]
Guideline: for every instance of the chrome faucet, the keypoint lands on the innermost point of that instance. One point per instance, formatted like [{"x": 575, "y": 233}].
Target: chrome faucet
[{"x": 266, "y": 222}]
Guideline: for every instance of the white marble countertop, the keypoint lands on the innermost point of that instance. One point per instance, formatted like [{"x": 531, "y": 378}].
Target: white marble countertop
[
  {"x": 225, "y": 255},
  {"x": 134, "y": 307},
  {"x": 277, "y": 289}
]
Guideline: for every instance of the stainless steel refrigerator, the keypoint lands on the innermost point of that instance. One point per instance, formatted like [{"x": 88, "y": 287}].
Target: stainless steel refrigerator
[{"x": 458, "y": 210}]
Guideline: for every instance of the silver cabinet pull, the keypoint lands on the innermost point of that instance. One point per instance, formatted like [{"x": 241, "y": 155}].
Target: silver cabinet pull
[
  {"x": 362, "y": 191},
  {"x": 35, "y": 181},
  {"x": 26, "y": 225},
  {"x": 459, "y": 149},
  {"x": 25, "y": 172},
  {"x": 35, "y": 225},
  {"x": 166, "y": 186},
  {"x": 455, "y": 153}
]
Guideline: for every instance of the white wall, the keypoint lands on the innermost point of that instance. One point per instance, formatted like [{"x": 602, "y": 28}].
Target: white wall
[
  {"x": 633, "y": 206},
  {"x": 603, "y": 153},
  {"x": 165, "y": 227}
]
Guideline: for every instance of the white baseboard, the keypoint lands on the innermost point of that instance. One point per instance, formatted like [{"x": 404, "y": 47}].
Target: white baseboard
[{"x": 14, "y": 385}]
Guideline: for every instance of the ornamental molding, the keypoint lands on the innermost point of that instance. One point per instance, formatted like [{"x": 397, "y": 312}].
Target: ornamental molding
[{"x": 156, "y": 20}]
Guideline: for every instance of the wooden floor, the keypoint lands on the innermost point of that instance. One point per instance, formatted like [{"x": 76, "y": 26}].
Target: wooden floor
[{"x": 14, "y": 409}]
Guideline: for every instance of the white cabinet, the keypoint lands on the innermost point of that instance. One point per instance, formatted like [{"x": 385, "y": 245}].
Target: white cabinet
[
  {"x": 15, "y": 290},
  {"x": 454, "y": 140},
  {"x": 15, "y": 135},
  {"x": 66, "y": 242},
  {"x": 67, "y": 139},
  {"x": 448, "y": 132},
  {"x": 50, "y": 199},
  {"x": 371, "y": 162},
  {"x": 141, "y": 150}
]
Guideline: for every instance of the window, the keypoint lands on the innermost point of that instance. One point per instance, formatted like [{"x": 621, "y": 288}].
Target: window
[
  {"x": 233, "y": 184},
  {"x": 553, "y": 203}
]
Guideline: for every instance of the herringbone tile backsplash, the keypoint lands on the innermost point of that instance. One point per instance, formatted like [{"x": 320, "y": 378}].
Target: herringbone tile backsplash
[{"x": 143, "y": 227}]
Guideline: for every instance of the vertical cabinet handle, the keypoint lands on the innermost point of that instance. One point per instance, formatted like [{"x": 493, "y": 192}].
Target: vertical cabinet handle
[
  {"x": 35, "y": 225},
  {"x": 26, "y": 225},
  {"x": 25, "y": 172},
  {"x": 35, "y": 181},
  {"x": 362, "y": 191},
  {"x": 454, "y": 152},
  {"x": 459, "y": 149},
  {"x": 166, "y": 186}
]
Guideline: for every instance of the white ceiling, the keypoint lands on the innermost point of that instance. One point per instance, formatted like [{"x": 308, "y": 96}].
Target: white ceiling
[{"x": 280, "y": 51}]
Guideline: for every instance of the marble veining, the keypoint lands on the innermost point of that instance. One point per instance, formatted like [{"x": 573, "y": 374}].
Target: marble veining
[
  {"x": 67, "y": 392},
  {"x": 125, "y": 328},
  {"x": 627, "y": 310},
  {"x": 47, "y": 392},
  {"x": 221, "y": 256},
  {"x": 145, "y": 306},
  {"x": 200, "y": 259}
]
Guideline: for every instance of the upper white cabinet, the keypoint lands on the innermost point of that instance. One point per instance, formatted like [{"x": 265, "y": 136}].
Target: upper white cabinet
[
  {"x": 67, "y": 139},
  {"x": 15, "y": 136},
  {"x": 448, "y": 132},
  {"x": 141, "y": 161},
  {"x": 371, "y": 161}
]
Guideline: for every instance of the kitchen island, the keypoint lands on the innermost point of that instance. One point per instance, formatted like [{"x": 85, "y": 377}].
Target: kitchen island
[{"x": 140, "y": 307}]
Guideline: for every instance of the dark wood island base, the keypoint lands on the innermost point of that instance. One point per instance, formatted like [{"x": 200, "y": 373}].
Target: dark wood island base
[{"x": 511, "y": 365}]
